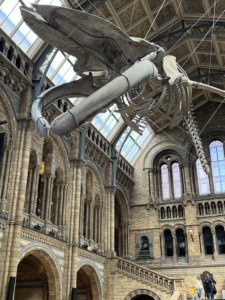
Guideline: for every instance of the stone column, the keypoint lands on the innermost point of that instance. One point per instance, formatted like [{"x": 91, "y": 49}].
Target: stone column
[
  {"x": 110, "y": 220},
  {"x": 91, "y": 221},
  {"x": 202, "y": 244},
  {"x": 162, "y": 247},
  {"x": 215, "y": 245},
  {"x": 174, "y": 247},
  {"x": 49, "y": 198},
  {"x": 16, "y": 195},
  {"x": 57, "y": 203},
  {"x": 60, "y": 205},
  {"x": 151, "y": 184},
  {"x": 35, "y": 191},
  {"x": 6, "y": 174},
  {"x": 187, "y": 188},
  {"x": 72, "y": 223},
  {"x": 170, "y": 182},
  {"x": 28, "y": 191}
]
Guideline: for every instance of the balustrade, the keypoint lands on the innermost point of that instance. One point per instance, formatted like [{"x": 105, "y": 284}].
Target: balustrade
[{"x": 146, "y": 274}]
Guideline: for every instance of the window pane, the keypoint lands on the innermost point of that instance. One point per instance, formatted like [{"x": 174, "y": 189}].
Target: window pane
[
  {"x": 203, "y": 180},
  {"x": 165, "y": 182},
  {"x": 218, "y": 166},
  {"x": 176, "y": 180}
]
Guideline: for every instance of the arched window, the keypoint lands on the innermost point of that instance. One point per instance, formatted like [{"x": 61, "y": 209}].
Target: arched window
[
  {"x": 213, "y": 208},
  {"x": 165, "y": 182},
  {"x": 220, "y": 235},
  {"x": 181, "y": 251},
  {"x": 170, "y": 177},
  {"x": 168, "y": 212},
  {"x": 200, "y": 210},
  {"x": 208, "y": 240},
  {"x": 218, "y": 166},
  {"x": 207, "y": 209},
  {"x": 203, "y": 180},
  {"x": 168, "y": 243},
  {"x": 176, "y": 178},
  {"x": 163, "y": 215},
  {"x": 180, "y": 211},
  {"x": 220, "y": 207},
  {"x": 174, "y": 211}
]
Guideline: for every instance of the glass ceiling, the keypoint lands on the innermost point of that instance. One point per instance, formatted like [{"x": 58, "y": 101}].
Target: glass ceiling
[{"x": 61, "y": 71}]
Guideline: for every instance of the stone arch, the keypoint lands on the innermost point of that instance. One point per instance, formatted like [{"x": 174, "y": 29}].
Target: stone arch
[
  {"x": 142, "y": 292},
  {"x": 96, "y": 173},
  {"x": 179, "y": 226},
  {"x": 156, "y": 150},
  {"x": 217, "y": 223},
  {"x": 47, "y": 258},
  {"x": 92, "y": 186},
  {"x": 167, "y": 227},
  {"x": 205, "y": 224},
  {"x": 90, "y": 270},
  {"x": 58, "y": 143}
]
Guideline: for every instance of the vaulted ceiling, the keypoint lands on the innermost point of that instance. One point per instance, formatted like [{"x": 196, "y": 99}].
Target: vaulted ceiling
[{"x": 191, "y": 30}]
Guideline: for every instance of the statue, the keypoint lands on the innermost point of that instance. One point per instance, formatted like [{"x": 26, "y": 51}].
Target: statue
[{"x": 135, "y": 74}]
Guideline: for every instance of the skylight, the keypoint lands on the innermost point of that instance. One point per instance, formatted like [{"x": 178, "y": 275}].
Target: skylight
[
  {"x": 131, "y": 142},
  {"x": 108, "y": 122},
  {"x": 11, "y": 22},
  {"x": 61, "y": 71}
]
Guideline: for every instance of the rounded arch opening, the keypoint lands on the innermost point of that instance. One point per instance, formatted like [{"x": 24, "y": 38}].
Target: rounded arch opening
[
  {"x": 88, "y": 285},
  {"x": 142, "y": 294},
  {"x": 37, "y": 278}
]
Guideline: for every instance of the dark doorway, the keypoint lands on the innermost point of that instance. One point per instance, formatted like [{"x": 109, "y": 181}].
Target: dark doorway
[{"x": 142, "y": 297}]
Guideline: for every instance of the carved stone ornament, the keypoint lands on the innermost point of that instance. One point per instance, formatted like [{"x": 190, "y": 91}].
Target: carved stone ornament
[
  {"x": 152, "y": 203},
  {"x": 188, "y": 198}
]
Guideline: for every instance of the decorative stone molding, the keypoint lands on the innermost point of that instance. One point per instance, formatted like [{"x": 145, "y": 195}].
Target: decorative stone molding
[
  {"x": 41, "y": 238},
  {"x": 163, "y": 146},
  {"x": 11, "y": 77},
  {"x": 90, "y": 255},
  {"x": 96, "y": 154},
  {"x": 152, "y": 203}
]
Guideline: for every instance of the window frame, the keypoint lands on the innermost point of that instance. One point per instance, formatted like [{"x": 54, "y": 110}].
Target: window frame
[
  {"x": 212, "y": 192},
  {"x": 170, "y": 159}
]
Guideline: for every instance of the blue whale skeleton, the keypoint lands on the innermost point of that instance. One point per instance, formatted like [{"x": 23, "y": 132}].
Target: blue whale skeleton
[{"x": 113, "y": 67}]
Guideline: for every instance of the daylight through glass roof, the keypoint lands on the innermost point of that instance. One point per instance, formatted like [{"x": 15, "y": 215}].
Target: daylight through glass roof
[{"x": 61, "y": 71}]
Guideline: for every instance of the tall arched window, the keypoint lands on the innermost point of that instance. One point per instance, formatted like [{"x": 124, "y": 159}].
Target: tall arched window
[
  {"x": 208, "y": 240},
  {"x": 181, "y": 251},
  {"x": 176, "y": 178},
  {"x": 168, "y": 243},
  {"x": 220, "y": 235},
  {"x": 218, "y": 166},
  {"x": 165, "y": 182},
  {"x": 170, "y": 178},
  {"x": 203, "y": 180}
]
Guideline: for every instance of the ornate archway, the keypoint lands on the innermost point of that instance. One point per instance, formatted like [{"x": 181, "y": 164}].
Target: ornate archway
[
  {"x": 37, "y": 277},
  {"x": 88, "y": 284}
]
